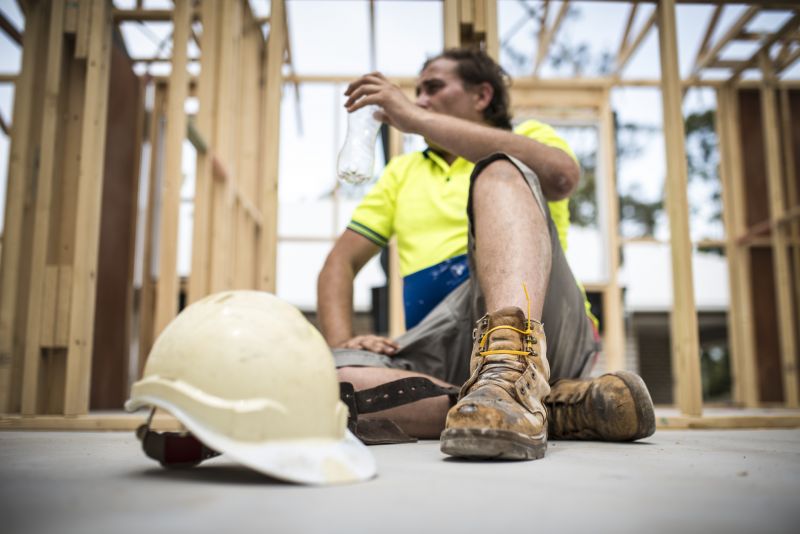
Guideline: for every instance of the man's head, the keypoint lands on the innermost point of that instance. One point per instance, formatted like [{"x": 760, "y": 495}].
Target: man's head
[{"x": 467, "y": 84}]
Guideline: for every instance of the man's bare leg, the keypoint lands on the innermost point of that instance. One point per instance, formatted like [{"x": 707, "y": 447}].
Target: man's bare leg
[
  {"x": 421, "y": 419},
  {"x": 512, "y": 240},
  {"x": 501, "y": 414}
]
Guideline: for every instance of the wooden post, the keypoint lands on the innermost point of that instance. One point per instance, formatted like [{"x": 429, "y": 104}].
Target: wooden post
[
  {"x": 614, "y": 335},
  {"x": 780, "y": 257},
  {"x": 492, "y": 40},
  {"x": 271, "y": 123},
  {"x": 14, "y": 268},
  {"x": 149, "y": 284},
  {"x": 199, "y": 284},
  {"x": 87, "y": 224},
  {"x": 791, "y": 193},
  {"x": 44, "y": 183},
  {"x": 685, "y": 339},
  {"x": 167, "y": 293},
  {"x": 741, "y": 333},
  {"x": 452, "y": 24}
]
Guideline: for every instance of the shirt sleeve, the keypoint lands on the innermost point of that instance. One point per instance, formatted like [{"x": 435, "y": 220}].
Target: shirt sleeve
[{"x": 373, "y": 218}]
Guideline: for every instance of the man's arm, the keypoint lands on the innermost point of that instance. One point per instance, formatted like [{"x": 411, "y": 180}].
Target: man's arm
[
  {"x": 335, "y": 294},
  {"x": 557, "y": 171}
]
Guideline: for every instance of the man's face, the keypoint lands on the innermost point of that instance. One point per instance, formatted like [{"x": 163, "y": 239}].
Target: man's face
[{"x": 440, "y": 89}]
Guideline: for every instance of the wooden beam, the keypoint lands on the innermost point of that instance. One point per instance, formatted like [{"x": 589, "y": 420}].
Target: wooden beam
[
  {"x": 623, "y": 58},
  {"x": 711, "y": 27},
  {"x": 741, "y": 330},
  {"x": 44, "y": 186},
  {"x": 623, "y": 43},
  {"x": 492, "y": 37},
  {"x": 780, "y": 258},
  {"x": 207, "y": 94},
  {"x": 614, "y": 327},
  {"x": 88, "y": 209},
  {"x": 685, "y": 340},
  {"x": 14, "y": 268},
  {"x": 271, "y": 124},
  {"x": 792, "y": 194},
  {"x": 154, "y": 177},
  {"x": 788, "y": 61},
  {"x": 763, "y": 50},
  {"x": 452, "y": 24},
  {"x": 10, "y": 29},
  {"x": 92, "y": 422},
  {"x": 728, "y": 422},
  {"x": 732, "y": 32},
  {"x": 544, "y": 44},
  {"x": 167, "y": 294},
  {"x": 224, "y": 144}
]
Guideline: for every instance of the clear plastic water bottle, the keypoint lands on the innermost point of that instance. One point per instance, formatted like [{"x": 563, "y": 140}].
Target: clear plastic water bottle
[{"x": 357, "y": 158}]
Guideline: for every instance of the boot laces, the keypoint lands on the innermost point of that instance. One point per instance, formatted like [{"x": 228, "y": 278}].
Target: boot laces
[{"x": 567, "y": 416}]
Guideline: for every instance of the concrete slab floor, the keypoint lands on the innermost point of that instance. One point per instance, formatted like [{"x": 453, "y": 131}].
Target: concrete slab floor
[{"x": 676, "y": 481}]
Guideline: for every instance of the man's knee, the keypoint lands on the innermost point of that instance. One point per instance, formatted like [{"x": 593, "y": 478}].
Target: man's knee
[{"x": 498, "y": 171}]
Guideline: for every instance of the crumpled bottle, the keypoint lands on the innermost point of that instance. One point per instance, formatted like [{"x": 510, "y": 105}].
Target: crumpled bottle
[{"x": 356, "y": 161}]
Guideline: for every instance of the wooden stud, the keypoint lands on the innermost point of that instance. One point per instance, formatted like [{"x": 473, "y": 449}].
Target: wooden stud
[
  {"x": 84, "y": 29},
  {"x": 710, "y": 28},
  {"x": 199, "y": 285},
  {"x": 623, "y": 43},
  {"x": 87, "y": 226},
  {"x": 763, "y": 50},
  {"x": 44, "y": 183},
  {"x": 271, "y": 106},
  {"x": 614, "y": 335},
  {"x": 167, "y": 293},
  {"x": 740, "y": 324},
  {"x": 492, "y": 38},
  {"x": 148, "y": 289},
  {"x": 11, "y": 30},
  {"x": 544, "y": 44},
  {"x": 624, "y": 57},
  {"x": 780, "y": 258},
  {"x": 131, "y": 323},
  {"x": 452, "y": 24},
  {"x": 13, "y": 269},
  {"x": 685, "y": 339},
  {"x": 792, "y": 195},
  {"x": 224, "y": 143},
  {"x": 731, "y": 34}
]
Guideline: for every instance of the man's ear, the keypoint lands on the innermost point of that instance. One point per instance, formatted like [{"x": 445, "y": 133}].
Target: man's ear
[{"x": 483, "y": 96}]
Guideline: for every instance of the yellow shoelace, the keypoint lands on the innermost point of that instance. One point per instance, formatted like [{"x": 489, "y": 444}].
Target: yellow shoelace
[{"x": 527, "y": 332}]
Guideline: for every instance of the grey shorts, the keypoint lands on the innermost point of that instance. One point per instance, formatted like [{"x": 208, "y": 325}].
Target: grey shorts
[{"x": 441, "y": 343}]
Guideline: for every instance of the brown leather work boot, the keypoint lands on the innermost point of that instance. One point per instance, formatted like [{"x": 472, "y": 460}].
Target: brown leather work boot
[
  {"x": 500, "y": 413},
  {"x": 612, "y": 407}
]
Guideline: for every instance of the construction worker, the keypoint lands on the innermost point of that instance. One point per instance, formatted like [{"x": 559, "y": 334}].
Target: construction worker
[{"x": 481, "y": 219}]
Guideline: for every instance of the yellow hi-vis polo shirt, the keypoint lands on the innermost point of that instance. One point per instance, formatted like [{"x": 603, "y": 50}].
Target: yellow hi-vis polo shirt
[{"x": 423, "y": 201}]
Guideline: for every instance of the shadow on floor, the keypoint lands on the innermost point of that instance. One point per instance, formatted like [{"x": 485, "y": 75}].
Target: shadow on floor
[{"x": 214, "y": 474}]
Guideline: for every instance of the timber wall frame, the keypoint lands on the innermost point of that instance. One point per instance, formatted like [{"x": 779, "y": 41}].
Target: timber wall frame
[{"x": 46, "y": 301}]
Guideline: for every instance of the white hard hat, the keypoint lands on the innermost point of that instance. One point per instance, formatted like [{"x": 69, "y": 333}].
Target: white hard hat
[{"x": 251, "y": 378}]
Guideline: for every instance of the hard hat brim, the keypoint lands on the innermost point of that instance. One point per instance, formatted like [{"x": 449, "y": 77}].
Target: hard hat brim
[{"x": 305, "y": 461}]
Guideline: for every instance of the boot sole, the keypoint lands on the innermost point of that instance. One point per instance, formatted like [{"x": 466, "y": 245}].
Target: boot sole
[
  {"x": 645, "y": 415},
  {"x": 490, "y": 444}
]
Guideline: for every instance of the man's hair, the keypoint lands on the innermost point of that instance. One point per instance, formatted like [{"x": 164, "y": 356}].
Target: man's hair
[{"x": 476, "y": 67}]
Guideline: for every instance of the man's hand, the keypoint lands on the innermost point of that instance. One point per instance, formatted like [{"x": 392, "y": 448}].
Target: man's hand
[
  {"x": 379, "y": 344},
  {"x": 374, "y": 88}
]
